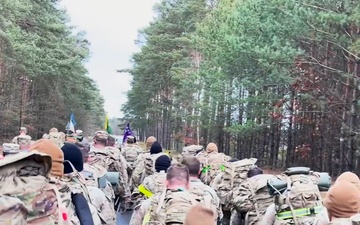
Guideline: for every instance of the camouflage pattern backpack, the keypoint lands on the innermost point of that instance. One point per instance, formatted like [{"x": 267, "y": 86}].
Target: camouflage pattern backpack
[
  {"x": 131, "y": 152},
  {"x": 212, "y": 165},
  {"x": 234, "y": 173},
  {"x": 254, "y": 198},
  {"x": 297, "y": 197},
  {"x": 170, "y": 207},
  {"x": 149, "y": 164},
  {"x": 30, "y": 198}
]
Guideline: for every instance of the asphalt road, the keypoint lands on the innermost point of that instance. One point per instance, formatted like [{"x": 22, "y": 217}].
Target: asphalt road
[{"x": 123, "y": 219}]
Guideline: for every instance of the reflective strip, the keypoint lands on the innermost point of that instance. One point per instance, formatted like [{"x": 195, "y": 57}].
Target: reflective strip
[
  {"x": 205, "y": 169},
  {"x": 299, "y": 212},
  {"x": 222, "y": 168},
  {"x": 145, "y": 191},
  {"x": 146, "y": 218}
]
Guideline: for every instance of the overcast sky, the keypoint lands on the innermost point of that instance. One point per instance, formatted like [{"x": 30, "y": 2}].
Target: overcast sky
[{"x": 111, "y": 27}]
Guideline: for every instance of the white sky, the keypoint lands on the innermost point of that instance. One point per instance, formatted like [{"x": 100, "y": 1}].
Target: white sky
[{"x": 111, "y": 27}]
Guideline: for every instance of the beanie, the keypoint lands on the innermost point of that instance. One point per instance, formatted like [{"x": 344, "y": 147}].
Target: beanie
[
  {"x": 211, "y": 147},
  {"x": 351, "y": 177},
  {"x": 162, "y": 163},
  {"x": 57, "y": 156},
  {"x": 342, "y": 200},
  {"x": 73, "y": 154},
  {"x": 155, "y": 148}
]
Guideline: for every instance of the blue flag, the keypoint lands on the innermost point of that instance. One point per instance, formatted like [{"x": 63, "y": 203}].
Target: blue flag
[
  {"x": 127, "y": 132},
  {"x": 72, "y": 119}
]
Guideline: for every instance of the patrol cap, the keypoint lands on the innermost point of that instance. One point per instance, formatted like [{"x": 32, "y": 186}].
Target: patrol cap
[
  {"x": 101, "y": 135},
  {"x": 130, "y": 139},
  {"x": 57, "y": 138},
  {"x": 79, "y": 133},
  {"x": 23, "y": 129}
]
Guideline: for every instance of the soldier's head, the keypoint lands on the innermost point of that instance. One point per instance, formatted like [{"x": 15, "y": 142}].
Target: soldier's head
[
  {"x": 70, "y": 136},
  {"x": 57, "y": 156},
  {"x": 111, "y": 141},
  {"x": 193, "y": 165},
  {"x": 85, "y": 149},
  {"x": 58, "y": 138},
  {"x": 155, "y": 148},
  {"x": 149, "y": 141},
  {"x": 211, "y": 147},
  {"x": 79, "y": 135},
  {"x": 177, "y": 177},
  {"x": 130, "y": 140},
  {"x": 101, "y": 138},
  {"x": 200, "y": 215},
  {"x": 72, "y": 158},
  {"x": 254, "y": 171},
  {"x": 24, "y": 141},
  {"x": 22, "y": 131},
  {"x": 162, "y": 163}
]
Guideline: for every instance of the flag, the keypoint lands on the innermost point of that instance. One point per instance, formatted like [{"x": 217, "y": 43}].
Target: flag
[
  {"x": 72, "y": 119},
  {"x": 70, "y": 126},
  {"x": 107, "y": 125},
  {"x": 127, "y": 132}
]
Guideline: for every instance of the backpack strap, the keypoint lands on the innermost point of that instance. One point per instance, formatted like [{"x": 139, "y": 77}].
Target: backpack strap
[
  {"x": 256, "y": 206},
  {"x": 161, "y": 202},
  {"x": 288, "y": 202}
]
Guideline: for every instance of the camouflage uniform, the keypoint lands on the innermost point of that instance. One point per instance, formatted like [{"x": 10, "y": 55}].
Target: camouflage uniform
[
  {"x": 93, "y": 174},
  {"x": 74, "y": 184},
  {"x": 197, "y": 186},
  {"x": 130, "y": 152},
  {"x": 140, "y": 212},
  {"x": 254, "y": 198},
  {"x": 112, "y": 160},
  {"x": 25, "y": 192},
  {"x": 154, "y": 183}
]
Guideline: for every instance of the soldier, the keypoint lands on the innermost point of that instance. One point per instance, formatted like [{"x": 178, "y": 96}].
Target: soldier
[
  {"x": 156, "y": 182},
  {"x": 198, "y": 187},
  {"x": 212, "y": 162},
  {"x": 70, "y": 137},
  {"x": 146, "y": 168},
  {"x": 73, "y": 166},
  {"x": 290, "y": 204},
  {"x": 169, "y": 206},
  {"x": 111, "y": 159},
  {"x": 139, "y": 160},
  {"x": 78, "y": 210},
  {"x": 24, "y": 142},
  {"x": 130, "y": 151},
  {"x": 254, "y": 197},
  {"x": 22, "y": 132},
  {"x": 56, "y": 137},
  {"x": 80, "y": 137}
]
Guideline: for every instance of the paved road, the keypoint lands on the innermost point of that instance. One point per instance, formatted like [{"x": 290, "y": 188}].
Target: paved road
[{"x": 123, "y": 219}]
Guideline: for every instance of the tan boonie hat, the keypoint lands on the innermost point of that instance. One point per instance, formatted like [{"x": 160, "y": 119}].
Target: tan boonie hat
[
  {"x": 24, "y": 140},
  {"x": 57, "y": 138},
  {"x": 101, "y": 135}
]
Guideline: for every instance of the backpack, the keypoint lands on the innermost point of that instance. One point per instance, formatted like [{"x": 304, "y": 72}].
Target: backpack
[
  {"x": 255, "y": 190},
  {"x": 30, "y": 198},
  {"x": 155, "y": 183},
  {"x": 149, "y": 163},
  {"x": 170, "y": 208},
  {"x": 212, "y": 165},
  {"x": 131, "y": 152},
  {"x": 234, "y": 173},
  {"x": 298, "y": 199}
]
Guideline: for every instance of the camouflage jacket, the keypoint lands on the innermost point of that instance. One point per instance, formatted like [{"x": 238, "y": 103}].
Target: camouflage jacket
[
  {"x": 130, "y": 153},
  {"x": 73, "y": 184},
  {"x": 139, "y": 212}
]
